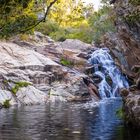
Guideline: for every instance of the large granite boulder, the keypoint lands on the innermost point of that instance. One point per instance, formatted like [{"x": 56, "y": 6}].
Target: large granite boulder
[
  {"x": 75, "y": 52},
  {"x": 13, "y": 55},
  {"x": 30, "y": 96},
  {"x": 20, "y": 65},
  {"x": 76, "y": 45},
  {"x": 31, "y": 71}
]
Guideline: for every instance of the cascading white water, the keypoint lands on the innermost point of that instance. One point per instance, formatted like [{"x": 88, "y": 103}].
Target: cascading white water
[{"x": 105, "y": 68}]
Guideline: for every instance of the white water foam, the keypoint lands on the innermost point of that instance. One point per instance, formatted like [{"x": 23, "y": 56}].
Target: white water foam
[{"x": 104, "y": 67}]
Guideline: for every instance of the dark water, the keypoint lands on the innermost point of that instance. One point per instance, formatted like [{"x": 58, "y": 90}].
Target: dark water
[{"x": 65, "y": 121}]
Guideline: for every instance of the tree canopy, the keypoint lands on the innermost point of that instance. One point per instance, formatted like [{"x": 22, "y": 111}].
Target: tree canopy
[
  {"x": 66, "y": 19},
  {"x": 18, "y": 16},
  {"x": 73, "y": 19}
]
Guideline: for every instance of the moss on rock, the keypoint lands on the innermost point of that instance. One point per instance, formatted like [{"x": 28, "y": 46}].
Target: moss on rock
[
  {"x": 19, "y": 85},
  {"x": 6, "y": 104}
]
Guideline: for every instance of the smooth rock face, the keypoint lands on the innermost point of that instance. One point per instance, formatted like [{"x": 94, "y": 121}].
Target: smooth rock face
[
  {"x": 38, "y": 62},
  {"x": 74, "y": 44},
  {"x": 25, "y": 96},
  {"x": 75, "y": 52},
  {"x": 13, "y": 55},
  {"x": 18, "y": 64},
  {"x": 30, "y": 96}
]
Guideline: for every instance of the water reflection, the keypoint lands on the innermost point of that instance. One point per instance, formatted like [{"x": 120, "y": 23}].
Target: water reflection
[{"x": 59, "y": 121}]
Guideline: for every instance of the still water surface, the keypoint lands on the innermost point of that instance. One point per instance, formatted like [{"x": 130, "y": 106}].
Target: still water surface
[{"x": 65, "y": 121}]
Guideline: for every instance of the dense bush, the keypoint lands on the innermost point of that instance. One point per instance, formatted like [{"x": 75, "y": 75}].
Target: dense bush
[
  {"x": 6, "y": 104},
  {"x": 19, "y": 16},
  {"x": 48, "y": 27},
  {"x": 59, "y": 33},
  {"x": 91, "y": 26},
  {"x": 67, "y": 19},
  {"x": 135, "y": 2},
  {"x": 102, "y": 22},
  {"x": 133, "y": 16}
]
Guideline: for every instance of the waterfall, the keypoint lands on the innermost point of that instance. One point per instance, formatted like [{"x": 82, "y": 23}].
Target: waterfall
[{"x": 104, "y": 68}]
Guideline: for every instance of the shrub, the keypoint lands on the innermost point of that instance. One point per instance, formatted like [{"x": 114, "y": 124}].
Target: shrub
[
  {"x": 66, "y": 62},
  {"x": 120, "y": 113},
  {"x": 102, "y": 22},
  {"x": 6, "y": 104},
  {"x": 59, "y": 35},
  {"x": 18, "y": 85},
  {"x": 47, "y": 27},
  {"x": 24, "y": 37}
]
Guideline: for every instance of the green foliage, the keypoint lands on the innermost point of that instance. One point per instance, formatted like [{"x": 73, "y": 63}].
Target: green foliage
[
  {"x": 67, "y": 19},
  {"x": 48, "y": 27},
  {"x": 135, "y": 2},
  {"x": 59, "y": 35},
  {"x": 15, "y": 89},
  {"x": 23, "y": 83},
  {"x": 15, "y": 15},
  {"x": 120, "y": 113},
  {"x": 6, "y": 104},
  {"x": 133, "y": 17},
  {"x": 101, "y": 22},
  {"x": 89, "y": 25},
  {"x": 18, "y": 85},
  {"x": 16, "y": 26},
  {"x": 82, "y": 33},
  {"x": 51, "y": 28},
  {"x": 68, "y": 12},
  {"x": 5, "y": 81},
  {"x": 19, "y": 16},
  {"x": 66, "y": 62},
  {"x": 24, "y": 37}
]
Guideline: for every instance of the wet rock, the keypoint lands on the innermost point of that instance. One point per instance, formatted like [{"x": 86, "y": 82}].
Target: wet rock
[
  {"x": 97, "y": 79},
  {"x": 92, "y": 68},
  {"x": 136, "y": 68},
  {"x": 75, "y": 90},
  {"x": 109, "y": 80},
  {"x": 138, "y": 83},
  {"x": 124, "y": 92},
  {"x": 133, "y": 88},
  {"x": 75, "y": 87},
  {"x": 89, "y": 70},
  {"x": 83, "y": 55}
]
